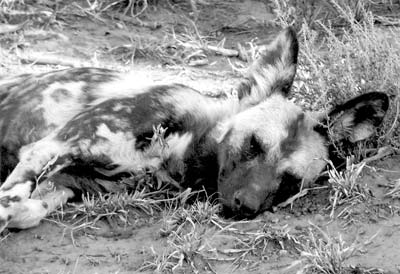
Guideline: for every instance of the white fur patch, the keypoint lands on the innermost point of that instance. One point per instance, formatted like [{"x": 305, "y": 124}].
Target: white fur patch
[
  {"x": 127, "y": 85},
  {"x": 203, "y": 107},
  {"x": 38, "y": 154},
  {"x": 27, "y": 213},
  {"x": 178, "y": 144},
  {"x": 120, "y": 148},
  {"x": 59, "y": 111},
  {"x": 362, "y": 131},
  {"x": 22, "y": 190},
  {"x": 34, "y": 157},
  {"x": 268, "y": 120},
  {"x": 308, "y": 160}
]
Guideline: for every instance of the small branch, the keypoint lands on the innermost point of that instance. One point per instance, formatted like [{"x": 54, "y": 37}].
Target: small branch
[
  {"x": 291, "y": 200},
  {"x": 137, "y": 22},
  {"x": 216, "y": 50},
  {"x": 300, "y": 194},
  {"x": 43, "y": 59},
  {"x": 86, "y": 11},
  {"x": 144, "y": 3},
  {"x": 385, "y": 21},
  {"x": 197, "y": 63},
  {"x": 382, "y": 152},
  {"x": 223, "y": 51},
  {"x": 40, "y": 35},
  {"x": 6, "y": 28}
]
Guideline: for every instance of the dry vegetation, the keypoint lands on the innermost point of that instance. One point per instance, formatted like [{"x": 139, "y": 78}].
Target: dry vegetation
[{"x": 340, "y": 58}]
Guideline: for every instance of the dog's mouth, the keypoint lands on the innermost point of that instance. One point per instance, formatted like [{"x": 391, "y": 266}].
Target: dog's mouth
[{"x": 241, "y": 214}]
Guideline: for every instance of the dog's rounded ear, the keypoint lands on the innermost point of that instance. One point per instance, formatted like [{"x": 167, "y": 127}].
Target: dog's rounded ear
[
  {"x": 358, "y": 118},
  {"x": 273, "y": 70}
]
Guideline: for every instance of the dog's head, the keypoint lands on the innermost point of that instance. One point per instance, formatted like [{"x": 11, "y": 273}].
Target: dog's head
[
  {"x": 269, "y": 148},
  {"x": 267, "y": 151}
]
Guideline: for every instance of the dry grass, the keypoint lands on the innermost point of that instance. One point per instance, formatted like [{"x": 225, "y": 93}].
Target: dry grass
[
  {"x": 340, "y": 63},
  {"x": 116, "y": 209},
  {"x": 195, "y": 233},
  {"x": 323, "y": 253},
  {"x": 394, "y": 191},
  {"x": 346, "y": 187},
  {"x": 185, "y": 227},
  {"x": 253, "y": 247},
  {"x": 195, "y": 245},
  {"x": 337, "y": 64},
  {"x": 337, "y": 13}
]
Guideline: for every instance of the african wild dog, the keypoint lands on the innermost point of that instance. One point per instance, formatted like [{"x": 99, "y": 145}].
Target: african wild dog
[{"x": 253, "y": 147}]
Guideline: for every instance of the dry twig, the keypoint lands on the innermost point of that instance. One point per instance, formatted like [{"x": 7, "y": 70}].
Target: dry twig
[
  {"x": 45, "y": 59},
  {"x": 6, "y": 28},
  {"x": 137, "y": 22}
]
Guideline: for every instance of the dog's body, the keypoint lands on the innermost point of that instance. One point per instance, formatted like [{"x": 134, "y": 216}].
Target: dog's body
[
  {"x": 32, "y": 106},
  {"x": 253, "y": 148}
]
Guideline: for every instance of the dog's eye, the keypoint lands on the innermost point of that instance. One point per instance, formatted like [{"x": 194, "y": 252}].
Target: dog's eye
[
  {"x": 255, "y": 146},
  {"x": 253, "y": 149}
]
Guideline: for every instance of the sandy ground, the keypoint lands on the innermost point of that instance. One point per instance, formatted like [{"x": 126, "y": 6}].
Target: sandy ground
[{"x": 84, "y": 38}]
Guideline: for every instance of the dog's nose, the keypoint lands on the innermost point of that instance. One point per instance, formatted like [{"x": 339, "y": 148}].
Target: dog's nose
[{"x": 245, "y": 204}]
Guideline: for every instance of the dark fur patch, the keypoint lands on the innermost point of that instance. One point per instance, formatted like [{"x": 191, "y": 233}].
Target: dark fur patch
[
  {"x": 274, "y": 55},
  {"x": 60, "y": 94},
  {"x": 6, "y": 200},
  {"x": 28, "y": 175},
  {"x": 289, "y": 186},
  {"x": 2, "y": 222},
  {"x": 80, "y": 179},
  {"x": 201, "y": 163},
  {"x": 244, "y": 88},
  {"x": 8, "y": 159},
  {"x": 135, "y": 114},
  {"x": 143, "y": 139},
  {"x": 367, "y": 108},
  {"x": 226, "y": 158},
  {"x": 138, "y": 115},
  {"x": 83, "y": 179},
  {"x": 251, "y": 148},
  {"x": 3, "y": 96},
  {"x": 291, "y": 143},
  {"x": 294, "y": 45}
]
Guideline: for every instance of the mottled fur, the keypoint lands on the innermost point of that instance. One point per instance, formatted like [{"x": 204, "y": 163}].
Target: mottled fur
[
  {"x": 249, "y": 148},
  {"x": 32, "y": 106}
]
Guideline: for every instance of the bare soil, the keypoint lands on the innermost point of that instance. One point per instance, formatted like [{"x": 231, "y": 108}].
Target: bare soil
[{"x": 82, "y": 37}]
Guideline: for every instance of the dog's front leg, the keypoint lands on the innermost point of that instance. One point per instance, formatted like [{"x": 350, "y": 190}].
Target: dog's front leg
[{"x": 17, "y": 209}]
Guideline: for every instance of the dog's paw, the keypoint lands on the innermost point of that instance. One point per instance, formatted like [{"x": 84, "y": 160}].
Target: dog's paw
[{"x": 27, "y": 213}]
